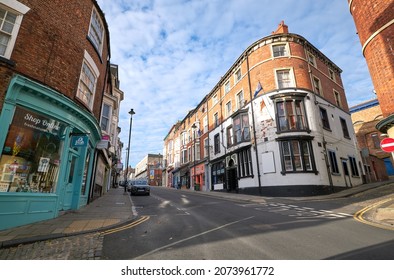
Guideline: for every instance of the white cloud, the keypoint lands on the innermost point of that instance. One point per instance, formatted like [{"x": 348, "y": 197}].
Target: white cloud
[{"x": 172, "y": 53}]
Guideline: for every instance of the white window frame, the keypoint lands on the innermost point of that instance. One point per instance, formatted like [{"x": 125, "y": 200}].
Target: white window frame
[
  {"x": 311, "y": 59},
  {"x": 108, "y": 118},
  {"x": 318, "y": 88},
  {"x": 205, "y": 123},
  {"x": 206, "y": 147},
  {"x": 240, "y": 99},
  {"x": 228, "y": 109},
  {"x": 286, "y": 50},
  {"x": 227, "y": 87},
  {"x": 18, "y": 9},
  {"x": 95, "y": 28},
  {"x": 237, "y": 75},
  {"x": 331, "y": 74},
  {"x": 216, "y": 119},
  {"x": 337, "y": 98},
  {"x": 291, "y": 77},
  {"x": 89, "y": 62}
]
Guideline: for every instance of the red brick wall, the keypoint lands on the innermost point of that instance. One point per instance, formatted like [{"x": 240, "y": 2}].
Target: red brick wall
[
  {"x": 370, "y": 16},
  {"x": 50, "y": 47}
]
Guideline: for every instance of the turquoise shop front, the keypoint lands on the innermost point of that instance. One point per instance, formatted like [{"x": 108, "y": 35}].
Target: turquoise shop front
[{"x": 48, "y": 146}]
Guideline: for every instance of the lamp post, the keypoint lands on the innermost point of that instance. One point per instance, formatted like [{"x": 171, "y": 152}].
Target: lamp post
[
  {"x": 194, "y": 155},
  {"x": 131, "y": 112}
]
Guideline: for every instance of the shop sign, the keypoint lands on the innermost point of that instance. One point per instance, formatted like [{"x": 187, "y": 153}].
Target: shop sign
[{"x": 79, "y": 141}]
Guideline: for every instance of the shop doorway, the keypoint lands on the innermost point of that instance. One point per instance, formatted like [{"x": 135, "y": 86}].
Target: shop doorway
[
  {"x": 71, "y": 176},
  {"x": 231, "y": 177}
]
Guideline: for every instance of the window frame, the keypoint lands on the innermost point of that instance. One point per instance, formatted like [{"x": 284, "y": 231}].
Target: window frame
[
  {"x": 18, "y": 10},
  {"x": 300, "y": 120},
  {"x": 216, "y": 142},
  {"x": 244, "y": 135},
  {"x": 107, "y": 118},
  {"x": 281, "y": 83},
  {"x": 304, "y": 152},
  {"x": 240, "y": 99},
  {"x": 94, "y": 35},
  {"x": 227, "y": 87},
  {"x": 89, "y": 63},
  {"x": 332, "y": 157},
  {"x": 324, "y": 118},
  {"x": 353, "y": 166},
  {"x": 281, "y": 53},
  {"x": 245, "y": 164},
  {"x": 317, "y": 85},
  {"x": 237, "y": 75},
  {"x": 345, "y": 128},
  {"x": 228, "y": 109},
  {"x": 311, "y": 59}
]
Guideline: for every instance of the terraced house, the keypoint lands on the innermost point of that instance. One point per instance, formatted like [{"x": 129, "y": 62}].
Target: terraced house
[
  {"x": 277, "y": 122},
  {"x": 55, "y": 124}
]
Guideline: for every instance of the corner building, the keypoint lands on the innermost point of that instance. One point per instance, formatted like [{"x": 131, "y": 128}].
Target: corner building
[
  {"x": 278, "y": 123},
  {"x": 374, "y": 20},
  {"x": 54, "y": 66}
]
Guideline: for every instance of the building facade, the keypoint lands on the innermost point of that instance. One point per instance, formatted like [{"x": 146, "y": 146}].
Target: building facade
[
  {"x": 150, "y": 169},
  {"x": 276, "y": 122},
  {"x": 375, "y": 27},
  {"x": 377, "y": 163},
  {"x": 54, "y": 68}
]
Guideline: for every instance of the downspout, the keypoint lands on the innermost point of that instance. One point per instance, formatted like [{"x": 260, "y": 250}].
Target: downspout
[{"x": 254, "y": 126}]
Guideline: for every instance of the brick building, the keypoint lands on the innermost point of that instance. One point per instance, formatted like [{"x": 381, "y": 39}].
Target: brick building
[
  {"x": 54, "y": 69},
  {"x": 276, "y": 122},
  {"x": 377, "y": 163},
  {"x": 375, "y": 27}
]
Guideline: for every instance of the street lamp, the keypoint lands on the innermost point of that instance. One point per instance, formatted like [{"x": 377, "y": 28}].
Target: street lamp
[
  {"x": 194, "y": 155},
  {"x": 131, "y": 112}
]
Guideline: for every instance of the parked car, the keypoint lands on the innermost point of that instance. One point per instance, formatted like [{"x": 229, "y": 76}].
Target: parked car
[{"x": 137, "y": 187}]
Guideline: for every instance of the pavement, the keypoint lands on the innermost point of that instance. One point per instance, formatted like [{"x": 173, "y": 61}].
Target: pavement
[{"x": 115, "y": 209}]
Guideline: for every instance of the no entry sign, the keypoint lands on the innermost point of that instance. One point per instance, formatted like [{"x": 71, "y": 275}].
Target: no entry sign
[{"x": 387, "y": 145}]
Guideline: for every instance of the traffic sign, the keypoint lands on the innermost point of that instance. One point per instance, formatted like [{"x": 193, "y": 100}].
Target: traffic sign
[{"x": 387, "y": 145}]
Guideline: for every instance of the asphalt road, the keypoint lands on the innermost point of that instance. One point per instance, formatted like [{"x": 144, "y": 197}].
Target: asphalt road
[{"x": 181, "y": 225}]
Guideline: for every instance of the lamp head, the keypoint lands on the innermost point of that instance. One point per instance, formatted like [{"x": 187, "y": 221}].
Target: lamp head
[{"x": 131, "y": 112}]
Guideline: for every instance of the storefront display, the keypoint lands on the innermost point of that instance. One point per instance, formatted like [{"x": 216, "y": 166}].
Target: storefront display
[{"x": 31, "y": 155}]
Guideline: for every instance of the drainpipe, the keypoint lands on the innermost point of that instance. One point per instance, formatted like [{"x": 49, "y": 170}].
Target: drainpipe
[{"x": 254, "y": 126}]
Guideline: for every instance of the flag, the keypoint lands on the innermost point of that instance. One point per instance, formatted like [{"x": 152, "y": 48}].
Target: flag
[{"x": 258, "y": 89}]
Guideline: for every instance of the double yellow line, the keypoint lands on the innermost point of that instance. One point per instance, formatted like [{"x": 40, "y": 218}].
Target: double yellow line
[
  {"x": 359, "y": 215},
  {"x": 133, "y": 224}
]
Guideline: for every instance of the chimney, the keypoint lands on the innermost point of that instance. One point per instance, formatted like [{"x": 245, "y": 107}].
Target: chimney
[{"x": 282, "y": 28}]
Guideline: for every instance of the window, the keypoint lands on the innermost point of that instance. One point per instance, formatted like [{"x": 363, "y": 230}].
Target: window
[
  {"x": 215, "y": 99},
  {"x": 237, "y": 75},
  {"x": 241, "y": 128},
  {"x": 240, "y": 100},
  {"x": 105, "y": 117},
  {"x": 284, "y": 78},
  {"x": 205, "y": 123},
  {"x": 10, "y": 21},
  {"x": 206, "y": 147},
  {"x": 344, "y": 128},
  {"x": 311, "y": 59},
  {"x": 227, "y": 87},
  {"x": 324, "y": 118},
  {"x": 331, "y": 74},
  {"x": 353, "y": 166},
  {"x": 333, "y": 162},
  {"x": 218, "y": 173},
  {"x": 228, "y": 109},
  {"x": 216, "y": 119},
  {"x": 245, "y": 168},
  {"x": 96, "y": 31},
  {"x": 87, "y": 81},
  {"x": 317, "y": 86},
  {"x": 32, "y": 152},
  {"x": 229, "y": 135},
  {"x": 216, "y": 140},
  {"x": 279, "y": 50},
  {"x": 375, "y": 140},
  {"x": 296, "y": 156},
  {"x": 184, "y": 138},
  {"x": 184, "y": 156},
  {"x": 337, "y": 99},
  {"x": 290, "y": 115},
  {"x": 197, "y": 151}
]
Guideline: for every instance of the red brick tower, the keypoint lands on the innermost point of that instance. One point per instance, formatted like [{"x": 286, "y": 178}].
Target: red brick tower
[{"x": 374, "y": 20}]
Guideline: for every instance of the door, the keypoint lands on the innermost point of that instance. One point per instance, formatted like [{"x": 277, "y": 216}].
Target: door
[{"x": 69, "y": 186}]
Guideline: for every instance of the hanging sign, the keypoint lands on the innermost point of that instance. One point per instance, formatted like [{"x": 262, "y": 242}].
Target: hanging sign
[{"x": 79, "y": 141}]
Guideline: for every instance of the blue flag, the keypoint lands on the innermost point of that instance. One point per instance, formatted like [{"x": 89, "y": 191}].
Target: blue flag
[{"x": 258, "y": 89}]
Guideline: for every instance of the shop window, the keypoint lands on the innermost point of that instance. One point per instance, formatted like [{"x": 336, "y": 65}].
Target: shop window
[
  {"x": 333, "y": 162},
  {"x": 245, "y": 167},
  {"x": 218, "y": 173},
  {"x": 31, "y": 155}
]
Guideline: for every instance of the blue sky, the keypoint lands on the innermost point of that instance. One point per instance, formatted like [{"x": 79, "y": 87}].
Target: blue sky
[{"x": 171, "y": 53}]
